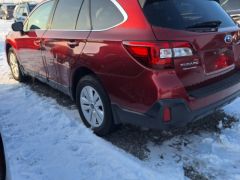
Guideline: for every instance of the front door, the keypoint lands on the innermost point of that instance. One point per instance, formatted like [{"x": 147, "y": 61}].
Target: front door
[{"x": 30, "y": 42}]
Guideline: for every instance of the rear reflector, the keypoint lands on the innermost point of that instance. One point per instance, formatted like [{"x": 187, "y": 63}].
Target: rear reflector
[
  {"x": 166, "y": 114},
  {"x": 158, "y": 54}
]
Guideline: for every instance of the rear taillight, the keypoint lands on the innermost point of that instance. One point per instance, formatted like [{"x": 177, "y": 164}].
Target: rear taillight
[
  {"x": 159, "y": 54},
  {"x": 223, "y": 61}
]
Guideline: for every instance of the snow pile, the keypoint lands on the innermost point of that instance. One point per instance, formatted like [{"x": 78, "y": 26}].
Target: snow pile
[
  {"x": 211, "y": 155},
  {"x": 208, "y": 155}
]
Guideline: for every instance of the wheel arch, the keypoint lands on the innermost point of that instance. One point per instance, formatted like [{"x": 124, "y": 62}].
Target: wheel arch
[
  {"x": 77, "y": 75},
  {"x": 9, "y": 44}
]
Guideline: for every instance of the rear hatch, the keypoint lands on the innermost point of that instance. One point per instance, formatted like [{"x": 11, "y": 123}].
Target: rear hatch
[{"x": 211, "y": 33}]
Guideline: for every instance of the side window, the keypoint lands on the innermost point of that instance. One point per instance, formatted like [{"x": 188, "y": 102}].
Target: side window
[
  {"x": 16, "y": 10},
  {"x": 66, "y": 14},
  {"x": 25, "y": 10},
  {"x": 39, "y": 18},
  {"x": 21, "y": 10},
  {"x": 84, "y": 17},
  {"x": 105, "y": 14}
]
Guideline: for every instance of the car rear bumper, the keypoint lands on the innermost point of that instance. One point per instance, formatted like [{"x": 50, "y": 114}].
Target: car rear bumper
[{"x": 181, "y": 113}]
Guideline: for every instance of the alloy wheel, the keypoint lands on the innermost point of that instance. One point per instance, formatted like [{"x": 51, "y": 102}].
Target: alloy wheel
[{"x": 92, "y": 106}]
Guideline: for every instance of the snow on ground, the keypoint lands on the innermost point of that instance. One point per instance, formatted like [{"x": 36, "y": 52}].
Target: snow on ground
[
  {"x": 46, "y": 141},
  {"x": 212, "y": 155}
]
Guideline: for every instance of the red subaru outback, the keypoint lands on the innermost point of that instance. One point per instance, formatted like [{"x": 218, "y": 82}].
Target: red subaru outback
[{"x": 155, "y": 63}]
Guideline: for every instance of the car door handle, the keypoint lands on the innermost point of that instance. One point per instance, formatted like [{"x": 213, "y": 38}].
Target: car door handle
[{"x": 73, "y": 44}]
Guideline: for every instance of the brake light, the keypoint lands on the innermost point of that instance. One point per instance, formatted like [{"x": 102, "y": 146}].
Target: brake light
[
  {"x": 159, "y": 54},
  {"x": 139, "y": 51}
]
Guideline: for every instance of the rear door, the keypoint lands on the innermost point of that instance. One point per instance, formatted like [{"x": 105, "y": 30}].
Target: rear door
[
  {"x": 65, "y": 40},
  {"x": 206, "y": 26}
]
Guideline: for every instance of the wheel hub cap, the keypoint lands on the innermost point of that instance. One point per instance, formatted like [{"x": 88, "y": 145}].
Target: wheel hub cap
[{"x": 92, "y": 106}]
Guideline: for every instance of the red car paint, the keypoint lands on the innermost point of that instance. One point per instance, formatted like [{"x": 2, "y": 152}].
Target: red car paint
[{"x": 129, "y": 84}]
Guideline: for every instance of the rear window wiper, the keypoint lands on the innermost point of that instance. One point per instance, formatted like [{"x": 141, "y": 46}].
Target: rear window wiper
[{"x": 204, "y": 25}]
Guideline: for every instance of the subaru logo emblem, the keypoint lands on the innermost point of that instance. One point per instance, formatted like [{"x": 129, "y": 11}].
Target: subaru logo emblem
[{"x": 228, "y": 39}]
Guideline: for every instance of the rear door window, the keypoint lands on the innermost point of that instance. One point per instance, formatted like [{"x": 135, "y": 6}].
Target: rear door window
[
  {"x": 105, "y": 14},
  {"x": 176, "y": 14},
  {"x": 84, "y": 22},
  {"x": 66, "y": 14}
]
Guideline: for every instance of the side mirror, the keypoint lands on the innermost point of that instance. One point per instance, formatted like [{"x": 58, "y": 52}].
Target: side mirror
[
  {"x": 17, "y": 26},
  {"x": 24, "y": 14}
]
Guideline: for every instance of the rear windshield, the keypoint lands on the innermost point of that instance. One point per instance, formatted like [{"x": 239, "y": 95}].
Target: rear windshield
[
  {"x": 230, "y": 5},
  {"x": 180, "y": 14}
]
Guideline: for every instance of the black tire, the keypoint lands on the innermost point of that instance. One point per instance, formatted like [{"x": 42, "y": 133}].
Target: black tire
[
  {"x": 107, "y": 125},
  {"x": 20, "y": 77},
  {"x": 2, "y": 161}
]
